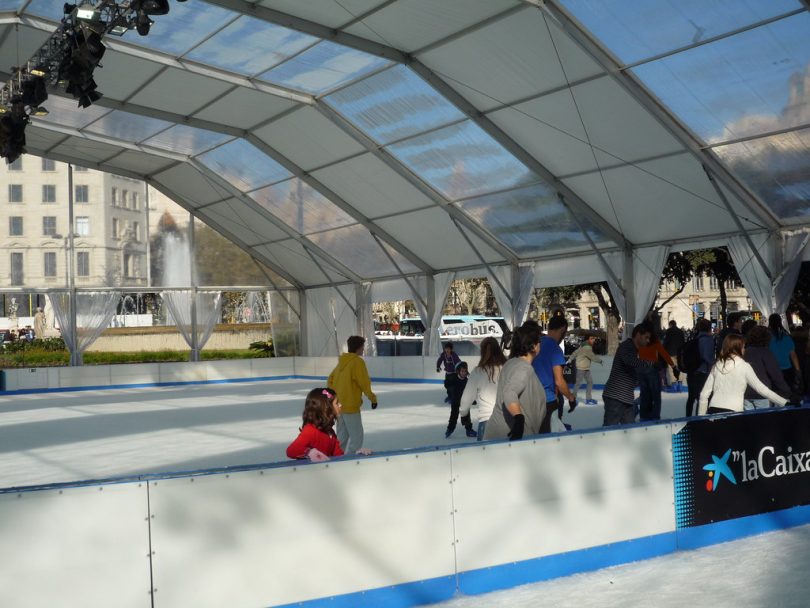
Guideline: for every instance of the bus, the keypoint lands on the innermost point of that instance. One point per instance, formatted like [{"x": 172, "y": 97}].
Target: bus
[{"x": 464, "y": 331}]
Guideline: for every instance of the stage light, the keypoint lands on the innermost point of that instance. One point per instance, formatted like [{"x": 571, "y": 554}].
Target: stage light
[
  {"x": 151, "y": 7},
  {"x": 87, "y": 12},
  {"x": 12, "y": 132},
  {"x": 34, "y": 91},
  {"x": 143, "y": 23}
]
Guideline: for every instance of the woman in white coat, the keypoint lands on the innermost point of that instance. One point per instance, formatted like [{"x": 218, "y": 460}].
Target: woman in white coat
[
  {"x": 483, "y": 383},
  {"x": 728, "y": 379}
]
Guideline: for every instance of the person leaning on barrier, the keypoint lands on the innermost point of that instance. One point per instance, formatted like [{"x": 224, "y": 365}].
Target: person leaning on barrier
[{"x": 520, "y": 400}]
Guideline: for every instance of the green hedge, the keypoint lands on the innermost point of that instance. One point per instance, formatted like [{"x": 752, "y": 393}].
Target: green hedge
[{"x": 35, "y": 357}]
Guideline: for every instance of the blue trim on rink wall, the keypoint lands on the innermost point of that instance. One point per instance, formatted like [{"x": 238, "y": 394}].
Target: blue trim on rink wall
[
  {"x": 564, "y": 564},
  {"x": 733, "y": 529},
  {"x": 429, "y": 591}
]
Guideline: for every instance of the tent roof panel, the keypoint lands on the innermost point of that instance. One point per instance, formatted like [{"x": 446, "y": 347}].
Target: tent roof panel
[
  {"x": 414, "y": 24},
  {"x": 290, "y": 256},
  {"x": 162, "y": 92},
  {"x": 355, "y": 247},
  {"x": 127, "y": 127},
  {"x": 18, "y": 43},
  {"x": 308, "y": 138},
  {"x": 243, "y": 165},
  {"x": 749, "y": 84},
  {"x": 244, "y": 108},
  {"x": 300, "y": 207},
  {"x": 777, "y": 168},
  {"x": 138, "y": 71},
  {"x": 500, "y": 61},
  {"x": 331, "y": 13},
  {"x": 634, "y": 32},
  {"x": 372, "y": 188},
  {"x": 436, "y": 237},
  {"x": 187, "y": 181},
  {"x": 393, "y": 104},
  {"x": 86, "y": 150},
  {"x": 242, "y": 221},
  {"x": 186, "y": 140},
  {"x": 137, "y": 162},
  {"x": 249, "y": 46}
]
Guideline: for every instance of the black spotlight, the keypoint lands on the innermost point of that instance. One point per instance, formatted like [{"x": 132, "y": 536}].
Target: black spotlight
[
  {"x": 34, "y": 91},
  {"x": 77, "y": 67},
  {"x": 143, "y": 23},
  {"x": 12, "y": 132},
  {"x": 151, "y": 7}
]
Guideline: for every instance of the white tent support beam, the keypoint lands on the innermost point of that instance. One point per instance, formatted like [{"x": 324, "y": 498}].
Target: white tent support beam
[
  {"x": 394, "y": 262},
  {"x": 312, "y": 28},
  {"x": 516, "y": 150},
  {"x": 639, "y": 92},
  {"x": 414, "y": 180},
  {"x": 786, "y": 265},
  {"x": 226, "y": 186},
  {"x": 338, "y": 201},
  {"x": 303, "y": 321},
  {"x": 599, "y": 255},
  {"x": 481, "y": 259},
  {"x": 628, "y": 286},
  {"x": 332, "y": 284},
  {"x": 739, "y": 224}
]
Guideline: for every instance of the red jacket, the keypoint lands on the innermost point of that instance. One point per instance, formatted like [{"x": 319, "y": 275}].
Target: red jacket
[{"x": 311, "y": 437}]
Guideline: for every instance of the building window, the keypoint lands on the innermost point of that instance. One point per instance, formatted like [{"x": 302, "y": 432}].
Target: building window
[
  {"x": 125, "y": 199},
  {"x": 15, "y": 193},
  {"x": 82, "y": 226},
  {"x": 16, "y": 165},
  {"x": 48, "y": 193},
  {"x": 136, "y": 232},
  {"x": 50, "y": 264},
  {"x": 49, "y": 225},
  {"x": 48, "y": 165},
  {"x": 116, "y": 226},
  {"x": 82, "y": 195},
  {"x": 82, "y": 264},
  {"x": 15, "y": 226},
  {"x": 135, "y": 201},
  {"x": 114, "y": 196},
  {"x": 79, "y": 169},
  {"x": 127, "y": 265},
  {"x": 713, "y": 282},
  {"x": 697, "y": 282},
  {"x": 17, "y": 275}
]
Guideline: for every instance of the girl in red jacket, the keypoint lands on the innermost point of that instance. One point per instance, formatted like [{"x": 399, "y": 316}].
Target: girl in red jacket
[{"x": 317, "y": 440}]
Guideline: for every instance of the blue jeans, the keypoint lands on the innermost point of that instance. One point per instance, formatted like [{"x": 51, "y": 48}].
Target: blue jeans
[{"x": 649, "y": 381}]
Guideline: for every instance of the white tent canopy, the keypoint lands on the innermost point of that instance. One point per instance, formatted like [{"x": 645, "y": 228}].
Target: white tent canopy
[{"x": 368, "y": 142}]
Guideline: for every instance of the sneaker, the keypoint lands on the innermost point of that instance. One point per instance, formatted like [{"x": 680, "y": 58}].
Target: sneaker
[
  {"x": 591, "y": 402},
  {"x": 471, "y": 433}
]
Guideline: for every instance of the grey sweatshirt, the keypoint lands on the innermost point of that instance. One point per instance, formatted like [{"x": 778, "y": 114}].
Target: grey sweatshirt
[{"x": 517, "y": 383}]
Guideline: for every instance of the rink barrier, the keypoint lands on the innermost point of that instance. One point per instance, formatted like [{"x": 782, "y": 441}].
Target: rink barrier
[
  {"x": 394, "y": 529},
  {"x": 412, "y": 370}
]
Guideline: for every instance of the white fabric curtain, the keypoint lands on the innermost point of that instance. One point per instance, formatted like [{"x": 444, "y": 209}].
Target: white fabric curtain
[
  {"x": 366, "y": 318},
  {"x": 208, "y": 305},
  {"x": 94, "y": 311},
  {"x": 648, "y": 264},
  {"x": 751, "y": 272},
  {"x": 794, "y": 246},
  {"x": 504, "y": 299},
  {"x": 330, "y": 320},
  {"x": 514, "y": 311},
  {"x": 285, "y": 323},
  {"x": 441, "y": 286}
]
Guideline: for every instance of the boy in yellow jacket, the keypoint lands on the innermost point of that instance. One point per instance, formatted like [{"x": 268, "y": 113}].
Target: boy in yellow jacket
[{"x": 350, "y": 380}]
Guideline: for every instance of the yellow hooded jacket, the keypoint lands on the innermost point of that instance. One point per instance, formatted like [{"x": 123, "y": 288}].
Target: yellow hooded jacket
[{"x": 350, "y": 380}]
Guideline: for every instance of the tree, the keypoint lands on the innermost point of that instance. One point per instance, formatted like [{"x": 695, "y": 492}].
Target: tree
[
  {"x": 717, "y": 263},
  {"x": 468, "y": 296}
]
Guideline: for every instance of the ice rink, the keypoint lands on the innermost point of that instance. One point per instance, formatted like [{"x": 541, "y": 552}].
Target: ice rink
[
  {"x": 73, "y": 436},
  {"x": 759, "y": 572}
]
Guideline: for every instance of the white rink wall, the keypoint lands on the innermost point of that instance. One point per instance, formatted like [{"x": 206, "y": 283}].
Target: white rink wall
[
  {"x": 93, "y": 376},
  {"x": 407, "y": 528}
]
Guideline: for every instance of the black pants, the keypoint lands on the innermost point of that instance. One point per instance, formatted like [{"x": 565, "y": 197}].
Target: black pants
[
  {"x": 455, "y": 406},
  {"x": 552, "y": 407},
  {"x": 696, "y": 381},
  {"x": 719, "y": 410}
]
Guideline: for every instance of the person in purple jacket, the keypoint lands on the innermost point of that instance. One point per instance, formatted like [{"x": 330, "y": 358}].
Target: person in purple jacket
[
  {"x": 766, "y": 367},
  {"x": 448, "y": 359}
]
